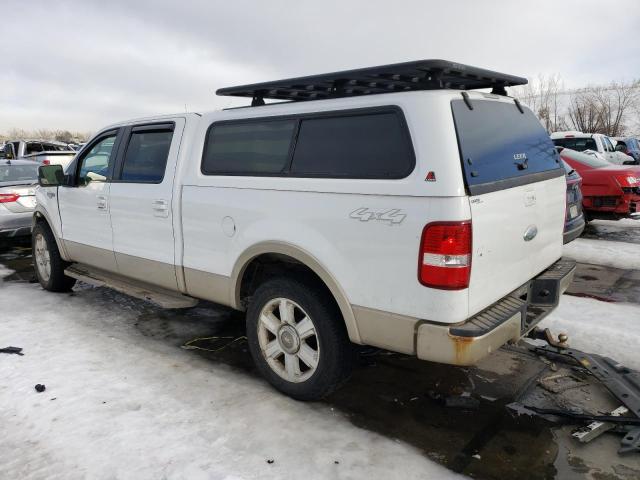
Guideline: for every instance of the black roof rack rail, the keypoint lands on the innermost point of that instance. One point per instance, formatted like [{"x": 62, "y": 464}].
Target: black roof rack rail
[{"x": 397, "y": 77}]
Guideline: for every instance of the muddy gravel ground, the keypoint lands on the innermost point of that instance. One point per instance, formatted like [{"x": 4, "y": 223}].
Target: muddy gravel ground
[{"x": 455, "y": 416}]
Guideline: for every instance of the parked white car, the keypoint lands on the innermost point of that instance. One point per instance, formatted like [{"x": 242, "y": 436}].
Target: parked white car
[
  {"x": 595, "y": 144},
  {"x": 40, "y": 151},
  {"x": 427, "y": 221}
]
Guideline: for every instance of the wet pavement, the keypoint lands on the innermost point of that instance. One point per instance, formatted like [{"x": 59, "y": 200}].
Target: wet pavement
[{"x": 456, "y": 416}]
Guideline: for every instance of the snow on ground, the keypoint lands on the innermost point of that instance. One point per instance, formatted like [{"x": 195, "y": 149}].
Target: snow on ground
[
  {"x": 609, "y": 329},
  {"x": 122, "y": 405},
  {"x": 4, "y": 272},
  {"x": 603, "y": 252}
]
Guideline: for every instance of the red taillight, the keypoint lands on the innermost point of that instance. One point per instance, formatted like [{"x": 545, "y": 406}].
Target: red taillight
[
  {"x": 445, "y": 255},
  {"x": 9, "y": 197},
  {"x": 46, "y": 162}
]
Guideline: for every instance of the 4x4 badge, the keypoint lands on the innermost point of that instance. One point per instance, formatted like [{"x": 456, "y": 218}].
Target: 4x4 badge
[{"x": 393, "y": 216}]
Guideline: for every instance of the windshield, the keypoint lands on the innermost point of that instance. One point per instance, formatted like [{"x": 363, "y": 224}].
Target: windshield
[
  {"x": 577, "y": 144},
  {"x": 585, "y": 159},
  {"x": 18, "y": 173},
  {"x": 502, "y": 147}
]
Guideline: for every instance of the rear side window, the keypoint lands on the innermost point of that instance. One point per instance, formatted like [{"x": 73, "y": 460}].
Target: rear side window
[
  {"x": 33, "y": 147},
  {"x": 351, "y": 144},
  {"x": 501, "y": 147},
  {"x": 253, "y": 147},
  {"x": 146, "y": 155},
  {"x": 354, "y": 146},
  {"x": 577, "y": 144}
]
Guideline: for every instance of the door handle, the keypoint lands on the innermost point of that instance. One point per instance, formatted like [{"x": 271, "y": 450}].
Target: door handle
[
  {"x": 160, "y": 208},
  {"x": 101, "y": 201}
]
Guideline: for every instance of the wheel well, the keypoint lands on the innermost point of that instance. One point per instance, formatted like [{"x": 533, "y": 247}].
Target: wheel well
[{"x": 269, "y": 265}]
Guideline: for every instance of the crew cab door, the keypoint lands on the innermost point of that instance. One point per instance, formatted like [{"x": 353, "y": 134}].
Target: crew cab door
[
  {"x": 142, "y": 205},
  {"x": 84, "y": 204}
]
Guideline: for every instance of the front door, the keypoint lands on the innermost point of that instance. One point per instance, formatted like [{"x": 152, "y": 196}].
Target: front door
[
  {"x": 84, "y": 205},
  {"x": 142, "y": 202}
]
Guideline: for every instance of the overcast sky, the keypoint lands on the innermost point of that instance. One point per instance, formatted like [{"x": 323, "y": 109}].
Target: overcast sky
[{"x": 83, "y": 64}]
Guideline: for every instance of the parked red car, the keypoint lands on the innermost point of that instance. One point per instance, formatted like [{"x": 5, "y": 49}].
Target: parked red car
[{"x": 608, "y": 191}]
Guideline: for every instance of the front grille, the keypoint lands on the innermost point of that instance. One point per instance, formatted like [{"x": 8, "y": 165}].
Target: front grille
[{"x": 605, "y": 201}]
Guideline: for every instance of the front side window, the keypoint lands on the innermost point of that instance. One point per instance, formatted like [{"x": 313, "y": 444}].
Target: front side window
[
  {"x": 146, "y": 156},
  {"x": 95, "y": 164},
  {"x": 353, "y": 146},
  {"x": 248, "y": 148}
]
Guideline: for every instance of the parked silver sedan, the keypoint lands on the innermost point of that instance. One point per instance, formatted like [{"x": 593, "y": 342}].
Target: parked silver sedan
[{"x": 18, "y": 180}]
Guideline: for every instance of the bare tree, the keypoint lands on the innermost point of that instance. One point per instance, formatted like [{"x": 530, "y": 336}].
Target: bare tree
[
  {"x": 542, "y": 95},
  {"x": 583, "y": 112}
]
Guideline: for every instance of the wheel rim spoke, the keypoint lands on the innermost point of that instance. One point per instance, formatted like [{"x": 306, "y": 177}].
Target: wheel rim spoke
[
  {"x": 292, "y": 366},
  {"x": 308, "y": 355},
  {"x": 286, "y": 311},
  {"x": 270, "y": 322},
  {"x": 273, "y": 350},
  {"x": 305, "y": 328}
]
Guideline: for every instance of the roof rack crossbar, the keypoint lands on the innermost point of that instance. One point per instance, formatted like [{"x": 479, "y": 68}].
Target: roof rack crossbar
[{"x": 399, "y": 77}]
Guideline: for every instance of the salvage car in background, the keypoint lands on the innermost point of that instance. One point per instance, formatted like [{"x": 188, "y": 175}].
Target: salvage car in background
[
  {"x": 629, "y": 146},
  {"x": 43, "y": 152},
  {"x": 595, "y": 144},
  {"x": 18, "y": 179},
  {"x": 574, "y": 218},
  {"x": 609, "y": 191}
]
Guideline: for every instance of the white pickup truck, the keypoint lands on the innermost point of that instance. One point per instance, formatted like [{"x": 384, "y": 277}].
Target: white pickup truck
[
  {"x": 43, "y": 152},
  {"x": 389, "y": 206}
]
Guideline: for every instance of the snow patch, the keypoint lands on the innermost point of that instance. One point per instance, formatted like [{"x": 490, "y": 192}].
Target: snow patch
[
  {"x": 603, "y": 252},
  {"x": 122, "y": 405},
  {"x": 609, "y": 329}
]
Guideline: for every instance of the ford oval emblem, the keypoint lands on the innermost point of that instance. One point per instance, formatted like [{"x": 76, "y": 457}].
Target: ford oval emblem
[{"x": 530, "y": 233}]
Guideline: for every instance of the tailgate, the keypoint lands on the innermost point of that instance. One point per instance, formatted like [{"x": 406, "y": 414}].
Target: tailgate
[
  {"x": 517, "y": 195},
  {"x": 517, "y": 233}
]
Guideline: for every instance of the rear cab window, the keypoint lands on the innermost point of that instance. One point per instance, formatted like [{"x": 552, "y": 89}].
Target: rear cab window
[
  {"x": 500, "y": 147},
  {"x": 577, "y": 144}
]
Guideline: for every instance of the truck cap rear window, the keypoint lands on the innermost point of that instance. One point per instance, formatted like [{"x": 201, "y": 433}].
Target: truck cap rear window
[{"x": 500, "y": 147}]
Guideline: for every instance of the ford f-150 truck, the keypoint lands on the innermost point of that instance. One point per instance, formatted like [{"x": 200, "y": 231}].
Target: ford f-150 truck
[
  {"x": 388, "y": 206},
  {"x": 40, "y": 151}
]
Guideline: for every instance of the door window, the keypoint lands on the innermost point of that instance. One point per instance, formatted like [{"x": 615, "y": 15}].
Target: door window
[
  {"x": 95, "y": 165},
  {"x": 145, "y": 159}
]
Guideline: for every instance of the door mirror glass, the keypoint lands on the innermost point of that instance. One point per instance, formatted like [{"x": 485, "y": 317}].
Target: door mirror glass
[{"x": 50, "y": 175}]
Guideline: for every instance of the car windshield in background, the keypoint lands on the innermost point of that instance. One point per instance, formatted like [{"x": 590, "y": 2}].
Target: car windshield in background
[
  {"x": 18, "y": 173},
  {"x": 585, "y": 159},
  {"x": 502, "y": 147},
  {"x": 577, "y": 144}
]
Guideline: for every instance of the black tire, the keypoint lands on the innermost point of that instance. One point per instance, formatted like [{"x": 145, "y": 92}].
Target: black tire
[
  {"x": 57, "y": 281},
  {"x": 335, "y": 352}
]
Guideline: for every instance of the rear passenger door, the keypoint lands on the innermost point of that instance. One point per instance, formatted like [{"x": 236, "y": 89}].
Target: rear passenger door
[{"x": 142, "y": 202}]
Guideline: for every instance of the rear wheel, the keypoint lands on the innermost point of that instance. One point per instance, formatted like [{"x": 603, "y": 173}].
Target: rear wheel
[
  {"x": 48, "y": 263},
  {"x": 297, "y": 338}
]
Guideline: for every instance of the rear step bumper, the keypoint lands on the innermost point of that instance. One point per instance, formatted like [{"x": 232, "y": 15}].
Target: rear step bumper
[{"x": 507, "y": 320}]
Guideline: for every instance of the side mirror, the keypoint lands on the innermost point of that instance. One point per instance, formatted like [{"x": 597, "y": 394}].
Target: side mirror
[
  {"x": 50, "y": 175},
  {"x": 621, "y": 148}
]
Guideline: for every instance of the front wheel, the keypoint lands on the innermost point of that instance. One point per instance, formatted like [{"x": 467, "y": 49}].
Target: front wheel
[
  {"x": 48, "y": 263},
  {"x": 298, "y": 339}
]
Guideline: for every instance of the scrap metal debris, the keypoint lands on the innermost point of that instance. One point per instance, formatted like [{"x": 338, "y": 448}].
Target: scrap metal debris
[
  {"x": 211, "y": 342},
  {"x": 560, "y": 382},
  {"x": 630, "y": 442},
  {"x": 40, "y": 388},
  {"x": 16, "y": 350},
  {"x": 587, "y": 433}
]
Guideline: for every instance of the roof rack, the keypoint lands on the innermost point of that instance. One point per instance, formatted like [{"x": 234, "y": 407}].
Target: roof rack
[{"x": 397, "y": 77}]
